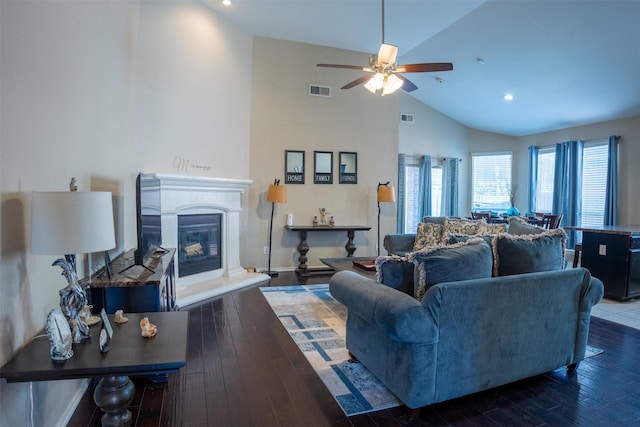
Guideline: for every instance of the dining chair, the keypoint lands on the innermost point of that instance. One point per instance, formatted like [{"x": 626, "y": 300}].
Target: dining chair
[
  {"x": 551, "y": 221},
  {"x": 481, "y": 215}
]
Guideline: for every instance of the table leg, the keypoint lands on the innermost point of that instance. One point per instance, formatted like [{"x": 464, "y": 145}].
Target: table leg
[
  {"x": 113, "y": 395},
  {"x": 303, "y": 248},
  {"x": 350, "y": 246}
]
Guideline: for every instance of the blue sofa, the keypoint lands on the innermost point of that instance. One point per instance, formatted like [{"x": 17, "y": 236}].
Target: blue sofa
[{"x": 470, "y": 335}]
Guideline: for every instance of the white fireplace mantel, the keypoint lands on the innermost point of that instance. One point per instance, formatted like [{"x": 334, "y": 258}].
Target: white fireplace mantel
[{"x": 193, "y": 195}]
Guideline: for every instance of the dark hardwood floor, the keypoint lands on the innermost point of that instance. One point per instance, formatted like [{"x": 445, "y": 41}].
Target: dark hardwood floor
[{"x": 243, "y": 369}]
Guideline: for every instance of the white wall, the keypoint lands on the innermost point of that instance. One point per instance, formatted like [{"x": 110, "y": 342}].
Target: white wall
[{"x": 101, "y": 91}]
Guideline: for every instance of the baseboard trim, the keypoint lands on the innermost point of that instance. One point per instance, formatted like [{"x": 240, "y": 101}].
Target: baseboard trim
[{"x": 73, "y": 403}]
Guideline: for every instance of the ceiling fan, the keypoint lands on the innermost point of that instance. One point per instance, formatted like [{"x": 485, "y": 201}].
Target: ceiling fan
[{"x": 385, "y": 72}]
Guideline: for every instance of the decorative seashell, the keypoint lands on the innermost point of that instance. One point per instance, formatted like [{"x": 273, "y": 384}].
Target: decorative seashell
[
  {"x": 119, "y": 317},
  {"x": 148, "y": 329}
]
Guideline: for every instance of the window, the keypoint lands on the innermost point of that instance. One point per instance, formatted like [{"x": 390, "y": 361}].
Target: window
[
  {"x": 491, "y": 181},
  {"x": 595, "y": 159},
  {"x": 412, "y": 190},
  {"x": 436, "y": 190},
  {"x": 544, "y": 187}
]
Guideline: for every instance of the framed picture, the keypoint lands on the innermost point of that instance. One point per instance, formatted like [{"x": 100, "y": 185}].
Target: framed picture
[
  {"x": 348, "y": 167},
  {"x": 323, "y": 167},
  {"x": 293, "y": 167}
]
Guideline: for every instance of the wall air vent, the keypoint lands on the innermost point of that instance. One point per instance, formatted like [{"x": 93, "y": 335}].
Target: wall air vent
[
  {"x": 316, "y": 90},
  {"x": 406, "y": 118}
]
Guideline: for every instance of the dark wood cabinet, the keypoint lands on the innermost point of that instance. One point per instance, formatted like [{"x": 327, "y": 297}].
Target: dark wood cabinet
[
  {"x": 612, "y": 254},
  {"x": 136, "y": 289}
]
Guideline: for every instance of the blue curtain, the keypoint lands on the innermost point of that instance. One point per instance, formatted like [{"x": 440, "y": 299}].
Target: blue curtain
[
  {"x": 402, "y": 162},
  {"x": 611, "y": 196},
  {"x": 533, "y": 177},
  {"x": 567, "y": 185},
  {"x": 424, "y": 195},
  {"x": 450, "y": 168}
]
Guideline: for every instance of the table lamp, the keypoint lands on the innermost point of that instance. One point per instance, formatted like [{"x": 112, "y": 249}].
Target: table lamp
[
  {"x": 277, "y": 194},
  {"x": 67, "y": 223},
  {"x": 386, "y": 194}
]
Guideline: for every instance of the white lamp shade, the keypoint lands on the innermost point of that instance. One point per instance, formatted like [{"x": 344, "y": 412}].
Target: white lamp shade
[
  {"x": 377, "y": 81},
  {"x": 391, "y": 84},
  {"x": 71, "y": 222}
]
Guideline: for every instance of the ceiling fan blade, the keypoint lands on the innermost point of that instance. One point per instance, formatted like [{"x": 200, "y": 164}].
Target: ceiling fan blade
[
  {"x": 356, "y": 82},
  {"x": 407, "y": 84},
  {"x": 350, "y": 67},
  {"x": 426, "y": 67}
]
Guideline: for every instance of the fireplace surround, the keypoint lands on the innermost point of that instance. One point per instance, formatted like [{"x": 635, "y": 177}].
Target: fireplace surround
[{"x": 194, "y": 197}]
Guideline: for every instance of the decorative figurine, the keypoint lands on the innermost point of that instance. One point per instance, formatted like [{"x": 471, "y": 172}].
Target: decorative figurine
[
  {"x": 315, "y": 221},
  {"x": 148, "y": 329},
  {"x": 331, "y": 222},
  {"x": 323, "y": 216}
]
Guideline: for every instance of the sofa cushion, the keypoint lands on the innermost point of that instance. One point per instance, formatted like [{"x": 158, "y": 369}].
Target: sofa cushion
[
  {"x": 395, "y": 272},
  {"x": 518, "y": 227},
  {"x": 427, "y": 234},
  {"x": 453, "y": 238},
  {"x": 446, "y": 263},
  {"x": 528, "y": 253}
]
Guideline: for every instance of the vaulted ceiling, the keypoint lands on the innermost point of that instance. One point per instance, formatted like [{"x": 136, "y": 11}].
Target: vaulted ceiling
[{"x": 567, "y": 62}]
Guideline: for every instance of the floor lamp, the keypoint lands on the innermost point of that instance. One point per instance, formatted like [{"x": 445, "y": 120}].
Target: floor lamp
[
  {"x": 277, "y": 194},
  {"x": 385, "y": 194}
]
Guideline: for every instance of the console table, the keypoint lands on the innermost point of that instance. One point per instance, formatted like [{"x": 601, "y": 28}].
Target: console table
[
  {"x": 303, "y": 247},
  {"x": 136, "y": 289},
  {"x": 130, "y": 355},
  {"x": 612, "y": 254}
]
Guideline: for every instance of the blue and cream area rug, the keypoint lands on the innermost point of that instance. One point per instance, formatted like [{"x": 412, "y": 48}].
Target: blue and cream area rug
[{"x": 316, "y": 322}]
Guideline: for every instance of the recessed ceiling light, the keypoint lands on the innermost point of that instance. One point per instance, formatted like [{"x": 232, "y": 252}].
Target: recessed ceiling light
[
  {"x": 226, "y": 2},
  {"x": 508, "y": 97}
]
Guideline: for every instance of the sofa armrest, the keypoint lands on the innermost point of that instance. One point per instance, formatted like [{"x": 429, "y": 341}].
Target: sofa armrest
[
  {"x": 399, "y": 244},
  {"x": 397, "y": 314}
]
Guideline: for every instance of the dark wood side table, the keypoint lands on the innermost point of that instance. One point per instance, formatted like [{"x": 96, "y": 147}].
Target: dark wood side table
[
  {"x": 137, "y": 289},
  {"x": 303, "y": 247},
  {"x": 130, "y": 355}
]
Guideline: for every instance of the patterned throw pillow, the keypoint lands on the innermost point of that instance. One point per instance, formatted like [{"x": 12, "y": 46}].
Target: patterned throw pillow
[
  {"x": 428, "y": 234},
  {"x": 463, "y": 226},
  {"x": 486, "y": 229}
]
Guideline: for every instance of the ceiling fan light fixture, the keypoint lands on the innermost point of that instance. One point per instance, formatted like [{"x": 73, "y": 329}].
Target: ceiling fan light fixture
[
  {"x": 377, "y": 81},
  {"x": 392, "y": 83},
  {"x": 370, "y": 88},
  {"x": 387, "y": 54}
]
